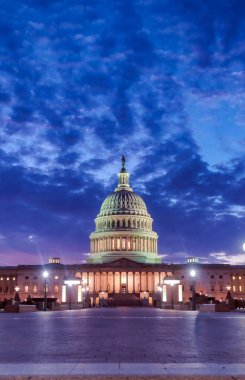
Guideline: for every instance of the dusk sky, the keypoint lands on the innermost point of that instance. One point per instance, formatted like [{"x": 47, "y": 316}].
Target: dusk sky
[{"x": 83, "y": 82}]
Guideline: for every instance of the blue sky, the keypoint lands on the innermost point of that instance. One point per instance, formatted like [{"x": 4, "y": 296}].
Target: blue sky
[{"x": 161, "y": 82}]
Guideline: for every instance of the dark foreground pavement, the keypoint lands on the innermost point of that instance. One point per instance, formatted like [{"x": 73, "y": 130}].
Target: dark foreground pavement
[{"x": 122, "y": 341}]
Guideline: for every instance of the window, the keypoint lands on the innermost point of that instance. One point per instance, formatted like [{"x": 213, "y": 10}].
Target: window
[
  {"x": 221, "y": 288},
  {"x": 233, "y": 288},
  {"x": 26, "y": 289},
  {"x": 233, "y": 277},
  {"x": 1, "y": 278},
  {"x": 240, "y": 288},
  {"x": 1, "y": 289},
  {"x": 7, "y": 278},
  {"x": 212, "y": 288},
  {"x": 35, "y": 278},
  {"x": 221, "y": 276},
  {"x": 239, "y": 277},
  {"x": 212, "y": 276},
  {"x": 7, "y": 289},
  {"x": 13, "y": 278},
  {"x": 26, "y": 277},
  {"x": 56, "y": 289},
  {"x": 56, "y": 277},
  {"x": 35, "y": 289},
  {"x": 182, "y": 276}
]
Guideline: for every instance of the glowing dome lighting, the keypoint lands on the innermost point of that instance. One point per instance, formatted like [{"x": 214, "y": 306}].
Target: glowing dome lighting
[{"x": 123, "y": 227}]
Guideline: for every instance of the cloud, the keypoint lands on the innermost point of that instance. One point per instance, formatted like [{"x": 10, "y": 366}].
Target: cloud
[
  {"x": 225, "y": 258},
  {"x": 159, "y": 82}
]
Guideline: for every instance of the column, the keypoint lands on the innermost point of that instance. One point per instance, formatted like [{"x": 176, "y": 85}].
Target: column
[
  {"x": 133, "y": 282},
  {"x": 153, "y": 282},
  {"x": 100, "y": 280},
  {"x": 159, "y": 278},
  {"x": 107, "y": 282},
  {"x": 140, "y": 280},
  {"x": 120, "y": 284},
  {"x": 127, "y": 282},
  {"x": 113, "y": 277},
  {"x": 146, "y": 277},
  {"x": 94, "y": 280}
]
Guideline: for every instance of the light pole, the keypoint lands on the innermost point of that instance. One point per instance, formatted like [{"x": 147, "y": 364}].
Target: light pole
[
  {"x": 171, "y": 281},
  {"x": 16, "y": 296},
  {"x": 71, "y": 282},
  {"x": 228, "y": 295},
  {"x": 193, "y": 298},
  {"x": 45, "y": 275}
]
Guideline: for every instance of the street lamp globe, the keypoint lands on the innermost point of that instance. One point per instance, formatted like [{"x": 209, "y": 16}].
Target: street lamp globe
[
  {"x": 45, "y": 274},
  {"x": 17, "y": 288},
  {"x": 228, "y": 287},
  {"x": 193, "y": 273},
  {"x": 243, "y": 246}
]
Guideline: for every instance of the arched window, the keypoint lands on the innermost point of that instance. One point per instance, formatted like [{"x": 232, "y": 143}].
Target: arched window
[
  {"x": 118, "y": 224},
  {"x": 138, "y": 224},
  {"x": 129, "y": 223},
  {"x": 113, "y": 224},
  {"x": 123, "y": 223}
]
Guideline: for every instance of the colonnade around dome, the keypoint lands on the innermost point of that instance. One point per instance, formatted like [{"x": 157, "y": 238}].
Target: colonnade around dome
[
  {"x": 105, "y": 224},
  {"x": 124, "y": 243}
]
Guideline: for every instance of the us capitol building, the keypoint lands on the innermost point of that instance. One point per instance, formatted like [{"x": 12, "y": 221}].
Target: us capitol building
[{"x": 123, "y": 266}]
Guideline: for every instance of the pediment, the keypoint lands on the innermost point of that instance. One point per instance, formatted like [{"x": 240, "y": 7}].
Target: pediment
[{"x": 124, "y": 263}]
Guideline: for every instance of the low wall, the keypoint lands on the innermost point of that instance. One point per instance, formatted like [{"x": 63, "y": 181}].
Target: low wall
[
  {"x": 209, "y": 307},
  {"x": 11, "y": 308},
  {"x": 27, "y": 308}
]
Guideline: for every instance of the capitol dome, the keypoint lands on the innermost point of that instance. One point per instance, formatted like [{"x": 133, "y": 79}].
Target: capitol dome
[
  {"x": 123, "y": 227},
  {"x": 123, "y": 202}
]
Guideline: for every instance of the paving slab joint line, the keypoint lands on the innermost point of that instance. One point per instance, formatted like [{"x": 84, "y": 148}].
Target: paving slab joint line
[{"x": 73, "y": 367}]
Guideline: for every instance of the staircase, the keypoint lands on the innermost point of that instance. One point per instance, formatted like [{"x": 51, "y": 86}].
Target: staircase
[{"x": 124, "y": 299}]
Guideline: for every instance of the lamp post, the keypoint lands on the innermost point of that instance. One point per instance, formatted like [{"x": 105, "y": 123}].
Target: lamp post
[
  {"x": 16, "y": 296},
  {"x": 193, "y": 298},
  {"x": 71, "y": 282},
  {"x": 228, "y": 295},
  {"x": 171, "y": 281},
  {"x": 45, "y": 275}
]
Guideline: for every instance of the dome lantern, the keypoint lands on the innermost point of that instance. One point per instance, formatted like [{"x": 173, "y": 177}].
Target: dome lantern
[{"x": 123, "y": 178}]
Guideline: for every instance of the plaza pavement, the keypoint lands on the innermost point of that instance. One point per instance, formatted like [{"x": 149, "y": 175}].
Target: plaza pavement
[{"x": 122, "y": 341}]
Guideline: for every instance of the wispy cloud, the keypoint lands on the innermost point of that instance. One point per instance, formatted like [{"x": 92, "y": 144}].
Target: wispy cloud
[{"x": 159, "y": 81}]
